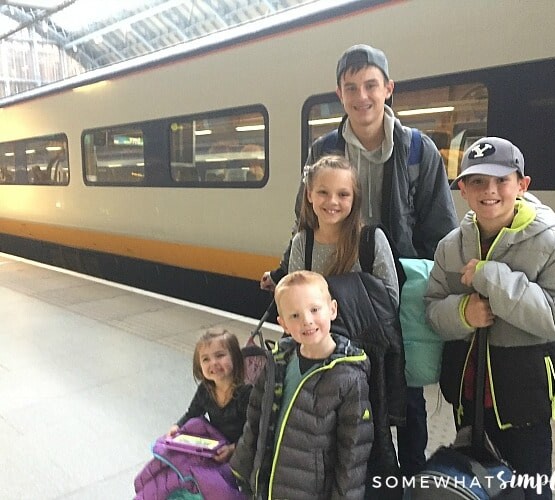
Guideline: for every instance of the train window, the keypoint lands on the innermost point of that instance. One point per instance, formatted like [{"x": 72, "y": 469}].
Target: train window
[
  {"x": 453, "y": 116},
  {"x": 114, "y": 155},
  {"x": 41, "y": 161},
  {"x": 7, "y": 163},
  {"x": 226, "y": 149}
]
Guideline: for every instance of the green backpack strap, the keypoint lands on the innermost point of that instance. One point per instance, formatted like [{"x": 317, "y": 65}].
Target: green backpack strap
[{"x": 185, "y": 494}]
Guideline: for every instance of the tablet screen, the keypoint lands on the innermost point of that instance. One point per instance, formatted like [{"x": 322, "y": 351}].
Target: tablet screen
[{"x": 201, "y": 442}]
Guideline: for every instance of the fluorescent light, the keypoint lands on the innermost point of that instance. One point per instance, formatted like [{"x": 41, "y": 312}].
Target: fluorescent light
[
  {"x": 248, "y": 128},
  {"x": 325, "y": 121},
  {"x": 29, "y": 151},
  {"x": 53, "y": 148},
  {"x": 425, "y": 111},
  {"x": 203, "y": 132},
  {"x": 9, "y": 154},
  {"x": 216, "y": 159}
]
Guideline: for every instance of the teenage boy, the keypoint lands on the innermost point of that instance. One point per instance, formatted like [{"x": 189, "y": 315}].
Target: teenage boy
[
  {"x": 497, "y": 271},
  {"x": 414, "y": 204}
]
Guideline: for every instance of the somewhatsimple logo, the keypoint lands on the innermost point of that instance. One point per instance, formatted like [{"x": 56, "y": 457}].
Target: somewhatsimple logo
[{"x": 537, "y": 482}]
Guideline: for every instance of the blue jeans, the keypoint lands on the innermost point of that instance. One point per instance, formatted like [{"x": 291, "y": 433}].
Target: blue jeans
[{"x": 413, "y": 438}]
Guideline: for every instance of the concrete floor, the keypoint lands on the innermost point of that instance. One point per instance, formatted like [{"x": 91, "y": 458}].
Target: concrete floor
[{"x": 91, "y": 374}]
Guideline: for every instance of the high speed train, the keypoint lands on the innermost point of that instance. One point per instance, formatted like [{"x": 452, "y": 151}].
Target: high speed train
[{"x": 177, "y": 172}]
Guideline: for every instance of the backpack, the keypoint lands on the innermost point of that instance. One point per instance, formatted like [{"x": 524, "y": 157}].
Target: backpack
[
  {"x": 423, "y": 346},
  {"x": 174, "y": 474}
]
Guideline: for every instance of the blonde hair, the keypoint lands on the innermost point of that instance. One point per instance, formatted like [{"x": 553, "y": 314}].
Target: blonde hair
[
  {"x": 346, "y": 250},
  {"x": 230, "y": 342},
  {"x": 297, "y": 278}
]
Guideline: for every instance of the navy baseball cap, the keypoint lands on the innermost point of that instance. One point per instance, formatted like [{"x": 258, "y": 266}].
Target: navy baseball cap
[{"x": 491, "y": 156}]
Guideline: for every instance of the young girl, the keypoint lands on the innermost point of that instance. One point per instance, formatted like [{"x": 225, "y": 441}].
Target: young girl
[
  {"x": 218, "y": 410},
  {"x": 331, "y": 209},
  {"x": 221, "y": 395}
]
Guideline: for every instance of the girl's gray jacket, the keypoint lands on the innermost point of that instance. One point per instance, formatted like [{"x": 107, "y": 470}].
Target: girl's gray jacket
[
  {"x": 518, "y": 278},
  {"x": 324, "y": 442}
]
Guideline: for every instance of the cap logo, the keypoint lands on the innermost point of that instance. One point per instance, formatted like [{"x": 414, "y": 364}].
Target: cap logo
[{"x": 481, "y": 150}]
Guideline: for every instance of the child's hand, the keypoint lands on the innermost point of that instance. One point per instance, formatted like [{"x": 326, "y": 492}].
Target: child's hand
[
  {"x": 173, "y": 431},
  {"x": 478, "y": 312},
  {"x": 468, "y": 272},
  {"x": 224, "y": 453},
  {"x": 266, "y": 282}
]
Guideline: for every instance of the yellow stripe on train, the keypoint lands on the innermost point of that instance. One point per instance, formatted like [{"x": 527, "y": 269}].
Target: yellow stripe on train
[{"x": 214, "y": 260}]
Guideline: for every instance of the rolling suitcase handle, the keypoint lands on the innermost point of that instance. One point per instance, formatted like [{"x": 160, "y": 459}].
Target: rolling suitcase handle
[
  {"x": 478, "y": 432},
  {"x": 257, "y": 332}
]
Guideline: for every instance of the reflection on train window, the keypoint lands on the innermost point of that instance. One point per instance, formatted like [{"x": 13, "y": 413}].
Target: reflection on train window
[
  {"x": 7, "y": 163},
  {"x": 114, "y": 156},
  {"x": 223, "y": 150},
  {"x": 453, "y": 116},
  {"x": 41, "y": 161}
]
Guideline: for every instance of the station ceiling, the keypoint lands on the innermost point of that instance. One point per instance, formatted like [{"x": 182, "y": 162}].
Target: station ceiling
[{"x": 98, "y": 33}]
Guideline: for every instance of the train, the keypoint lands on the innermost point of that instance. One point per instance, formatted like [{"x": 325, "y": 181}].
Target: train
[{"x": 177, "y": 172}]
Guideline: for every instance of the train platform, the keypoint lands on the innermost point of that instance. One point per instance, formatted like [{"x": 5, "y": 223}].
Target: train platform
[{"x": 91, "y": 372}]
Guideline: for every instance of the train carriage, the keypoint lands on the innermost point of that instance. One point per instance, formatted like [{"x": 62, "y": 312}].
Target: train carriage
[{"x": 177, "y": 172}]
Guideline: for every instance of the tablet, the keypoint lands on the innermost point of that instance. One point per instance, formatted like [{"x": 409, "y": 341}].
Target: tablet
[{"x": 196, "y": 445}]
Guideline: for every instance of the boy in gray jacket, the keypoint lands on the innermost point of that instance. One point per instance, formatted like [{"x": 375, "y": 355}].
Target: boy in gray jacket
[
  {"x": 497, "y": 271},
  {"x": 308, "y": 432}
]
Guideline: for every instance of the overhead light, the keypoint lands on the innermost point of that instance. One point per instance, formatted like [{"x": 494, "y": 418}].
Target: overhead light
[
  {"x": 216, "y": 159},
  {"x": 248, "y": 128},
  {"x": 325, "y": 121},
  {"x": 9, "y": 154},
  {"x": 30, "y": 151},
  {"x": 425, "y": 111},
  {"x": 203, "y": 132},
  {"x": 53, "y": 148}
]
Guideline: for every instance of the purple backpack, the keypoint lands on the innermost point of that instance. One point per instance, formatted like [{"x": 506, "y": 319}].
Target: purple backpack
[{"x": 173, "y": 470}]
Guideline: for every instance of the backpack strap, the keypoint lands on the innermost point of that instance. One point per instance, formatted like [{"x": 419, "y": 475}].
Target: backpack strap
[
  {"x": 308, "y": 247},
  {"x": 415, "y": 151},
  {"x": 412, "y": 166},
  {"x": 331, "y": 143},
  {"x": 367, "y": 248}
]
